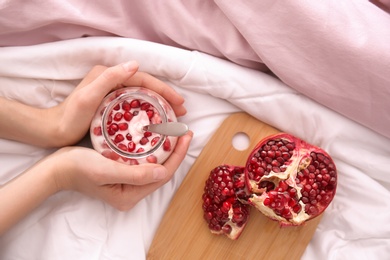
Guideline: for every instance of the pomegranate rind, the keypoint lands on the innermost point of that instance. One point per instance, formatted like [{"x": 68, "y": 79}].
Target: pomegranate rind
[
  {"x": 289, "y": 180},
  {"x": 223, "y": 211}
]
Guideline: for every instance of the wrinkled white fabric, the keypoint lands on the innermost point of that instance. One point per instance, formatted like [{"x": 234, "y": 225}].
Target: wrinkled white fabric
[{"x": 72, "y": 226}]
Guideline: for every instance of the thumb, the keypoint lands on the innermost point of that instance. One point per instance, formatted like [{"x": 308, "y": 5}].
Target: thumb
[{"x": 110, "y": 78}]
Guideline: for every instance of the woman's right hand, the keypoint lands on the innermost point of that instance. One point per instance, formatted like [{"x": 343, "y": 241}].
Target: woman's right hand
[{"x": 120, "y": 185}]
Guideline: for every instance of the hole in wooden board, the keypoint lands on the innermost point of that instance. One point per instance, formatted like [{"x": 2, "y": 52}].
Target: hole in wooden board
[{"x": 240, "y": 141}]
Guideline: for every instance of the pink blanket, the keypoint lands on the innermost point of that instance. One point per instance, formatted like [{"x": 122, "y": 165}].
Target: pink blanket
[{"x": 336, "y": 52}]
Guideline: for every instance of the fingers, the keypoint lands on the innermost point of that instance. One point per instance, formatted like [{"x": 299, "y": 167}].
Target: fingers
[
  {"x": 110, "y": 78},
  {"x": 111, "y": 81},
  {"x": 92, "y": 75},
  {"x": 138, "y": 174}
]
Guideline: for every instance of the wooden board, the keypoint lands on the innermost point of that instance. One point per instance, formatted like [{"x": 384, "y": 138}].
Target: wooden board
[{"x": 183, "y": 233}]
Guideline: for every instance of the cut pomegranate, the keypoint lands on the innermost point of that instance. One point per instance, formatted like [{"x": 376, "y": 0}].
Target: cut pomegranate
[
  {"x": 223, "y": 211},
  {"x": 290, "y": 180},
  {"x": 285, "y": 178}
]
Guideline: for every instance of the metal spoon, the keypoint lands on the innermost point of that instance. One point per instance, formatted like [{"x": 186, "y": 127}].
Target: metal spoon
[{"x": 169, "y": 128}]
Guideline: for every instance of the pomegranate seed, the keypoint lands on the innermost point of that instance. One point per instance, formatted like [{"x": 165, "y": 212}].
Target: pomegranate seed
[
  {"x": 131, "y": 146},
  {"x": 167, "y": 145},
  {"x": 129, "y": 137},
  {"x": 135, "y": 103},
  {"x": 155, "y": 140},
  {"x": 119, "y": 138},
  {"x": 147, "y": 134},
  {"x": 122, "y": 147},
  {"x": 133, "y": 162},
  {"x": 126, "y": 106},
  {"x": 127, "y": 116},
  {"x": 145, "y": 106},
  {"x": 112, "y": 129},
  {"x": 97, "y": 131},
  {"x": 109, "y": 120},
  {"x": 117, "y": 107},
  {"x": 151, "y": 159},
  {"x": 150, "y": 113},
  {"x": 144, "y": 140},
  {"x": 140, "y": 150},
  {"x": 123, "y": 126},
  {"x": 118, "y": 116},
  {"x": 283, "y": 186}
]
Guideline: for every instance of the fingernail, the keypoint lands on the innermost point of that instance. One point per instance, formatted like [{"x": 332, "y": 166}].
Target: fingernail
[
  {"x": 130, "y": 65},
  {"x": 159, "y": 173}
]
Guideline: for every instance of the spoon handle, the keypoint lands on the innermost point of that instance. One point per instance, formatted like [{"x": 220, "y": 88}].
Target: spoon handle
[{"x": 170, "y": 128}]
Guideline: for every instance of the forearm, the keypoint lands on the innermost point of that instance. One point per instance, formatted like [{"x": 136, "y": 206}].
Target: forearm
[
  {"x": 24, "y": 193},
  {"x": 25, "y": 123}
]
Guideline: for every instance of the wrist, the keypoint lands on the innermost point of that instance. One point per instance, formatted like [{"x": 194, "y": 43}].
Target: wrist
[{"x": 62, "y": 169}]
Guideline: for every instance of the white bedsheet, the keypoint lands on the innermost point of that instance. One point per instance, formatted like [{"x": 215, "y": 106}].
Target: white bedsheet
[{"x": 72, "y": 226}]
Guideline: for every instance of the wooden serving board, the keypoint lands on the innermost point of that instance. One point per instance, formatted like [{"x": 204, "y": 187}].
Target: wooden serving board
[{"x": 184, "y": 234}]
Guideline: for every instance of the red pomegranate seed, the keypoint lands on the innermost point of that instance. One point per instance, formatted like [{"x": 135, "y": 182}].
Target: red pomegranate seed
[
  {"x": 112, "y": 129},
  {"x": 127, "y": 116},
  {"x": 97, "y": 131},
  {"x": 129, "y": 137},
  {"x": 109, "y": 119},
  {"x": 150, "y": 113},
  {"x": 147, "y": 134},
  {"x": 145, "y": 106},
  {"x": 131, "y": 146},
  {"x": 151, "y": 159},
  {"x": 123, "y": 126},
  {"x": 119, "y": 138},
  {"x": 117, "y": 107},
  {"x": 126, "y": 106},
  {"x": 118, "y": 116},
  {"x": 135, "y": 103},
  {"x": 167, "y": 145},
  {"x": 122, "y": 147},
  {"x": 155, "y": 140},
  {"x": 144, "y": 141}
]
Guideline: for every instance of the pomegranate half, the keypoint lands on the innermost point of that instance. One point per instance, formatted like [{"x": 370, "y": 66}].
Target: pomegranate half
[{"x": 290, "y": 180}]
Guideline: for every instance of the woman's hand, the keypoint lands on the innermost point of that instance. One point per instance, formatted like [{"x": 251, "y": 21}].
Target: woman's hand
[
  {"x": 73, "y": 116},
  {"x": 120, "y": 185}
]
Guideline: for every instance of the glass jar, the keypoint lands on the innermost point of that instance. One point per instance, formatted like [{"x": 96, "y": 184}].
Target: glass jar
[{"x": 117, "y": 127}]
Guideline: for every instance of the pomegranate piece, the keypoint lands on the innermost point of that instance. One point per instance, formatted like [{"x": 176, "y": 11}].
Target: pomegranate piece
[
  {"x": 223, "y": 211},
  {"x": 290, "y": 180}
]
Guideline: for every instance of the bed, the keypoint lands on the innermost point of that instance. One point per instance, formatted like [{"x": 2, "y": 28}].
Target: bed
[{"x": 292, "y": 88}]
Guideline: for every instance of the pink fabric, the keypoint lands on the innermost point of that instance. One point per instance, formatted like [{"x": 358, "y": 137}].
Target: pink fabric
[{"x": 336, "y": 52}]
